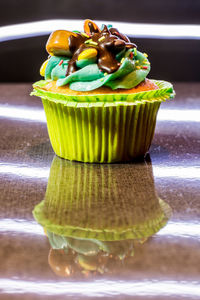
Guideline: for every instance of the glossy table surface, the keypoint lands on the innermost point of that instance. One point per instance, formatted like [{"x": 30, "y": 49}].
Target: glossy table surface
[{"x": 165, "y": 265}]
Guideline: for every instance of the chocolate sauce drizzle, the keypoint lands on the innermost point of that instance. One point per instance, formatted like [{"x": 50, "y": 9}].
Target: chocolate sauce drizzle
[{"x": 108, "y": 42}]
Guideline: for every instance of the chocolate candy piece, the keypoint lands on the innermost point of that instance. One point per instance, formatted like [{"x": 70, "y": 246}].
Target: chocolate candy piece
[
  {"x": 58, "y": 43},
  {"x": 90, "y": 27}
]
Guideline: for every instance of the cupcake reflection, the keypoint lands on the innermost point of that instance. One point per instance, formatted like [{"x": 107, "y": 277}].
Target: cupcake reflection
[
  {"x": 86, "y": 256},
  {"x": 94, "y": 215}
]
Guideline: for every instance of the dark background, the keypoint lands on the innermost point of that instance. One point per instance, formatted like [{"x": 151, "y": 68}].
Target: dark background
[{"x": 171, "y": 59}]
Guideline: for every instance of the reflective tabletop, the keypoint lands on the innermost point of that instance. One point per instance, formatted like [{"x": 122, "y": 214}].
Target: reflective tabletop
[{"x": 70, "y": 230}]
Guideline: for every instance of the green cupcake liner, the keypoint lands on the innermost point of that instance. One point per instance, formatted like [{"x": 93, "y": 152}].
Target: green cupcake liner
[
  {"x": 88, "y": 201},
  {"x": 103, "y": 132},
  {"x": 164, "y": 92}
]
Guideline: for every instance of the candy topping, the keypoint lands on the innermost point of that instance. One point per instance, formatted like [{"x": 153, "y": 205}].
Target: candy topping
[
  {"x": 58, "y": 43},
  {"x": 85, "y": 35},
  {"x": 107, "y": 42},
  {"x": 94, "y": 58},
  {"x": 90, "y": 41},
  {"x": 43, "y": 67},
  {"x": 101, "y": 39},
  {"x": 90, "y": 26},
  {"x": 88, "y": 53},
  {"x": 60, "y": 63}
]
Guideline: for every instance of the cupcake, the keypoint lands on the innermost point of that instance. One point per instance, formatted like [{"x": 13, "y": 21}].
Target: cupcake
[{"x": 99, "y": 105}]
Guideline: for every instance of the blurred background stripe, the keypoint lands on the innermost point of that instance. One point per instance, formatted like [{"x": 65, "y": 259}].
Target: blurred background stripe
[{"x": 169, "y": 31}]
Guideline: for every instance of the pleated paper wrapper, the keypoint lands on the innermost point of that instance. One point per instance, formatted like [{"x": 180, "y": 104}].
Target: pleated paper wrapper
[{"x": 102, "y": 128}]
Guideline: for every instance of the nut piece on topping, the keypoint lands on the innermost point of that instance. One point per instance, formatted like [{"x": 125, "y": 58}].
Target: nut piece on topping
[
  {"x": 91, "y": 27},
  {"x": 58, "y": 43}
]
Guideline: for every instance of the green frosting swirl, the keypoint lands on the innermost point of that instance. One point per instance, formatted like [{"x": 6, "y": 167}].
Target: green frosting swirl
[{"x": 89, "y": 77}]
